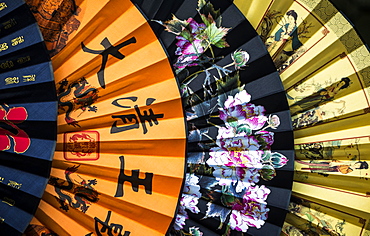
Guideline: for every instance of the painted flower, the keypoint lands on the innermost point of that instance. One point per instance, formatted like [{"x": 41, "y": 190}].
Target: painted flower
[
  {"x": 278, "y": 160},
  {"x": 191, "y": 185},
  {"x": 246, "y": 159},
  {"x": 189, "y": 46},
  {"x": 191, "y": 193},
  {"x": 252, "y": 212},
  {"x": 241, "y": 178},
  {"x": 10, "y": 119},
  {"x": 228, "y": 140},
  {"x": 275, "y": 159},
  {"x": 190, "y": 202},
  {"x": 240, "y": 58},
  {"x": 237, "y": 111},
  {"x": 180, "y": 218},
  {"x": 274, "y": 121},
  {"x": 265, "y": 139}
]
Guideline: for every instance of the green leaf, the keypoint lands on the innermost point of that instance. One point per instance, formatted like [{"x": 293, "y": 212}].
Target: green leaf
[
  {"x": 205, "y": 20},
  {"x": 221, "y": 44},
  {"x": 201, "y": 4},
  {"x": 175, "y": 25},
  {"x": 187, "y": 35},
  {"x": 227, "y": 87},
  {"x": 207, "y": 9},
  {"x": 267, "y": 172},
  {"x": 215, "y": 34}
]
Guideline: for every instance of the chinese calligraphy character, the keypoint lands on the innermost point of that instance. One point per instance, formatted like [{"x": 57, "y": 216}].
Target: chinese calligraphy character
[
  {"x": 17, "y": 40},
  {"x": 3, "y": 47},
  {"x": 109, "y": 49},
  {"x": 22, "y": 60},
  {"x": 8, "y": 201},
  {"x": 28, "y": 78},
  {"x": 7, "y": 65},
  {"x": 9, "y": 130},
  {"x": 3, "y": 6},
  {"x": 14, "y": 184},
  {"x": 142, "y": 117},
  {"x": 110, "y": 229},
  {"x": 11, "y": 80},
  {"x": 10, "y": 23},
  {"x": 133, "y": 179}
]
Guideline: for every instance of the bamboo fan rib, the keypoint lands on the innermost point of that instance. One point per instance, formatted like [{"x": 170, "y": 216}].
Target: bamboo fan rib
[{"x": 324, "y": 68}]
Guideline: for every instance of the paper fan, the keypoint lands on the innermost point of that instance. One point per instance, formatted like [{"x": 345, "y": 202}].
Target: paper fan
[
  {"x": 128, "y": 144},
  {"x": 324, "y": 67},
  {"x": 28, "y": 112}
]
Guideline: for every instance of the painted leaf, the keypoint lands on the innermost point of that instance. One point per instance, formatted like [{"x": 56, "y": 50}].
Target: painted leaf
[
  {"x": 215, "y": 34},
  {"x": 214, "y": 210},
  {"x": 175, "y": 25}
]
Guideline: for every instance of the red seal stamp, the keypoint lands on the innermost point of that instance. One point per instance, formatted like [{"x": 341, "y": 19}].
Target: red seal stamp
[{"x": 81, "y": 146}]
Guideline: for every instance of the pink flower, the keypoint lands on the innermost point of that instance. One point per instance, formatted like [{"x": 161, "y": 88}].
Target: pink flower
[
  {"x": 265, "y": 139},
  {"x": 246, "y": 159},
  {"x": 189, "y": 49},
  {"x": 228, "y": 140},
  {"x": 237, "y": 110},
  {"x": 20, "y": 138},
  {"x": 252, "y": 212},
  {"x": 180, "y": 218},
  {"x": 241, "y": 177}
]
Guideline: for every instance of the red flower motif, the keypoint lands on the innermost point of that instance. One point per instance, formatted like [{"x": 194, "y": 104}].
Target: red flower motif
[{"x": 20, "y": 138}]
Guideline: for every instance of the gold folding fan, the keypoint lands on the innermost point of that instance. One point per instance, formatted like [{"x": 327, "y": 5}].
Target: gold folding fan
[{"x": 324, "y": 67}]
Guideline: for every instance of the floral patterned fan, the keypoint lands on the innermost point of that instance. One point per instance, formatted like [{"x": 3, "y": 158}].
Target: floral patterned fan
[{"x": 231, "y": 151}]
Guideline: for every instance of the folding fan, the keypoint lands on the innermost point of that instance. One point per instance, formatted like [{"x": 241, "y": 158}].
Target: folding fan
[
  {"x": 323, "y": 66},
  {"x": 28, "y": 113},
  {"x": 124, "y": 130}
]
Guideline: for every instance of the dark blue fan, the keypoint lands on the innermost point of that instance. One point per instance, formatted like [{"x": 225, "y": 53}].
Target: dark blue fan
[{"x": 28, "y": 111}]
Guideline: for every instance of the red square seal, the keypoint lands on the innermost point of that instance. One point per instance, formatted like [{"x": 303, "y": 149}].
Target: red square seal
[{"x": 81, "y": 146}]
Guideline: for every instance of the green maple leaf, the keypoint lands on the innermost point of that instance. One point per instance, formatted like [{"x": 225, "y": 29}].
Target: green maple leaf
[{"x": 215, "y": 34}]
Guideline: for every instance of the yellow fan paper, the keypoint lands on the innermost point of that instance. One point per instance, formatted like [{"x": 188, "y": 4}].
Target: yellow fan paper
[{"x": 324, "y": 67}]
